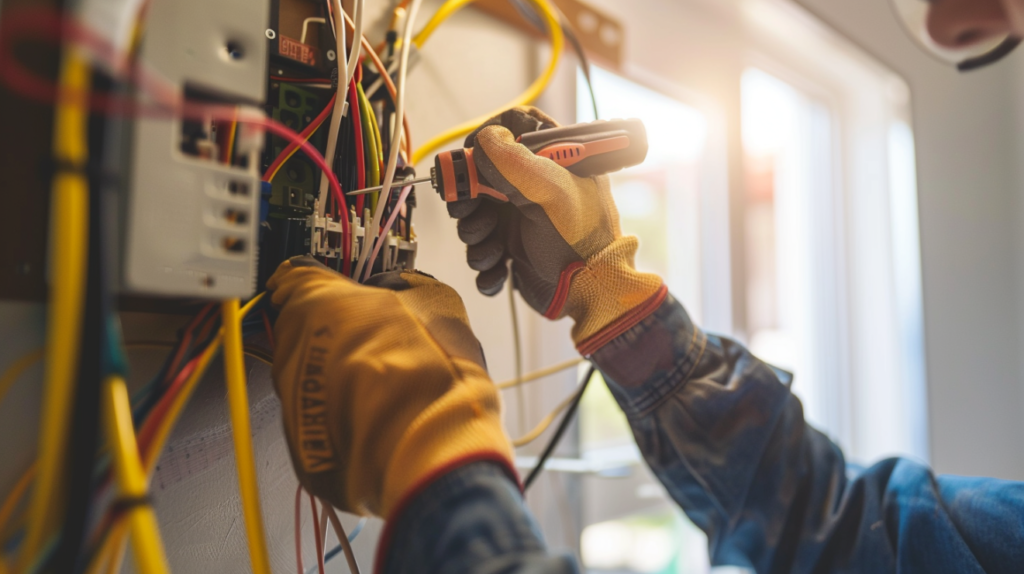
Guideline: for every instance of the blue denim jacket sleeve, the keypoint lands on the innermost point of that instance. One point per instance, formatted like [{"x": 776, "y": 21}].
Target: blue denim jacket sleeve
[
  {"x": 470, "y": 520},
  {"x": 723, "y": 433}
]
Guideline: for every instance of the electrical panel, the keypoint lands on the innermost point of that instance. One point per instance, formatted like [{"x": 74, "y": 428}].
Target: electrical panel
[
  {"x": 199, "y": 219},
  {"x": 191, "y": 225}
]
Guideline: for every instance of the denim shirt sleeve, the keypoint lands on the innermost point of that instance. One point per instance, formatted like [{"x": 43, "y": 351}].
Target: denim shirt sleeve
[
  {"x": 471, "y": 519},
  {"x": 723, "y": 433}
]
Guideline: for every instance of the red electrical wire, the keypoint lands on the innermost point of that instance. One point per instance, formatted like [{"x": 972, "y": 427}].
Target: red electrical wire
[
  {"x": 149, "y": 428},
  {"x": 319, "y": 539},
  {"x": 298, "y": 529},
  {"x": 302, "y": 80},
  {"x": 305, "y": 134},
  {"x": 186, "y": 340}
]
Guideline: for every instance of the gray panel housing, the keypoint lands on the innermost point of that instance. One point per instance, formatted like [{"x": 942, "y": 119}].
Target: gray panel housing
[{"x": 175, "y": 225}]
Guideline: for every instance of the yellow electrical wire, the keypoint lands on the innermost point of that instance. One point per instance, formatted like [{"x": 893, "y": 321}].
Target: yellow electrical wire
[
  {"x": 131, "y": 478},
  {"x": 526, "y": 98},
  {"x": 232, "y": 134},
  {"x": 163, "y": 432},
  {"x": 69, "y": 228},
  {"x": 554, "y": 369},
  {"x": 544, "y": 424},
  {"x": 238, "y": 403},
  {"x": 114, "y": 545},
  {"x": 371, "y": 139},
  {"x": 112, "y": 552},
  {"x": 379, "y": 146}
]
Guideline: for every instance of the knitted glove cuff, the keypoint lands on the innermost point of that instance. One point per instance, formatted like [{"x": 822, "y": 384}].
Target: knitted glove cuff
[{"x": 608, "y": 296}]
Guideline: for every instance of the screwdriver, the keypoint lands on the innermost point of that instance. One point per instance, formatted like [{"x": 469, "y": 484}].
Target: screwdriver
[{"x": 586, "y": 150}]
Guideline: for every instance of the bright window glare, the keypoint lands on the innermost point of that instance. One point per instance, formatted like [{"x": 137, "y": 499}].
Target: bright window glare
[
  {"x": 606, "y": 545},
  {"x": 769, "y": 114},
  {"x": 907, "y": 271},
  {"x": 674, "y": 132},
  {"x": 661, "y": 542},
  {"x": 771, "y": 136}
]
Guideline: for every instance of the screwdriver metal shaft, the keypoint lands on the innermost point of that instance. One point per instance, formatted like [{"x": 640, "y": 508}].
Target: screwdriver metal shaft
[{"x": 393, "y": 186}]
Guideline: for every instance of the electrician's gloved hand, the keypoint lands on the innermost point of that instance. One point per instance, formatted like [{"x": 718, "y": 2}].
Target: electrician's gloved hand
[
  {"x": 561, "y": 232},
  {"x": 383, "y": 387}
]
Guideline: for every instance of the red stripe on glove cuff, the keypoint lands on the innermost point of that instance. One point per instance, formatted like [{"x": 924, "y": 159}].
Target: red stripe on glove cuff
[
  {"x": 562, "y": 291},
  {"x": 622, "y": 324}
]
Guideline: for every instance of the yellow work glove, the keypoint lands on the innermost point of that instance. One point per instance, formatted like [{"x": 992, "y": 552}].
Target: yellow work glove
[
  {"x": 561, "y": 231},
  {"x": 383, "y": 388}
]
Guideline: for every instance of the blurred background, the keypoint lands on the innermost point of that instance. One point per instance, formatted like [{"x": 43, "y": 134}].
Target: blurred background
[
  {"x": 823, "y": 191},
  {"x": 817, "y": 188}
]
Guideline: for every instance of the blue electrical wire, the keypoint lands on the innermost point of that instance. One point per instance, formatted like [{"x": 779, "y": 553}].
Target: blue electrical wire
[{"x": 337, "y": 549}]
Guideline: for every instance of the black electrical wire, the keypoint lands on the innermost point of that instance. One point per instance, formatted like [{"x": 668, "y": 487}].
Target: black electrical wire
[
  {"x": 563, "y": 426},
  {"x": 94, "y": 355},
  {"x": 527, "y": 11},
  {"x": 570, "y": 34}
]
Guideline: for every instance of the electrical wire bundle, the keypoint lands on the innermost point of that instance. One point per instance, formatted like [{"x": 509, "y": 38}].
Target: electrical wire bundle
[
  {"x": 81, "y": 498},
  {"x": 153, "y": 409},
  {"x": 358, "y": 141},
  {"x": 82, "y": 334}
]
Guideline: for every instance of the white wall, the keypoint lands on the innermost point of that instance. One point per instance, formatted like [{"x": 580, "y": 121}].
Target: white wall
[{"x": 968, "y": 191}]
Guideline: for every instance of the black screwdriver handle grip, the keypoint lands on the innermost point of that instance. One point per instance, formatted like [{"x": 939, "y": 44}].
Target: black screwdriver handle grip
[{"x": 593, "y": 148}]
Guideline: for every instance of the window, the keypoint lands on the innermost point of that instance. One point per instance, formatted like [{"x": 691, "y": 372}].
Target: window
[
  {"x": 779, "y": 203},
  {"x": 659, "y": 202},
  {"x": 792, "y": 248},
  {"x": 629, "y": 526}
]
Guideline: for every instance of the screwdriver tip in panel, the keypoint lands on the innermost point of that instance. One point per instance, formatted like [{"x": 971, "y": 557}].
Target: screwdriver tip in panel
[{"x": 394, "y": 185}]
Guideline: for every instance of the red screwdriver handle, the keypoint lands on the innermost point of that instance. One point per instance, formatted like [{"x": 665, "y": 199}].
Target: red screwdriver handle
[{"x": 587, "y": 150}]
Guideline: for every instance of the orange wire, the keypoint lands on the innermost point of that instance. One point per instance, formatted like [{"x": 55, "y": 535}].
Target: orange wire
[{"x": 15, "y": 496}]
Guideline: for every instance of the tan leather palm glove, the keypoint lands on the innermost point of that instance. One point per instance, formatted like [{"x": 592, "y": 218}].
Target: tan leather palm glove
[
  {"x": 561, "y": 232},
  {"x": 383, "y": 388}
]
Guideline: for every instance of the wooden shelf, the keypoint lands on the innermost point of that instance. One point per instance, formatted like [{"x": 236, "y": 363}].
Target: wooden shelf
[{"x": 601, "y": 35}]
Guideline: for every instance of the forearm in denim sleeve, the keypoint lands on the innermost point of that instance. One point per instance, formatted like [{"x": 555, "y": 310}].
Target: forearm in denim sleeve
[{"x": 472, "y": 519}]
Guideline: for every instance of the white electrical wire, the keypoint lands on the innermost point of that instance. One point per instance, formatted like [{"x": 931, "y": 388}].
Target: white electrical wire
[
  {"x": 305, "y": 26},
  {"x": 396, "y": 140},
  {"x": 357, "y": 39},
  {"x": 339, "y": 105}
]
